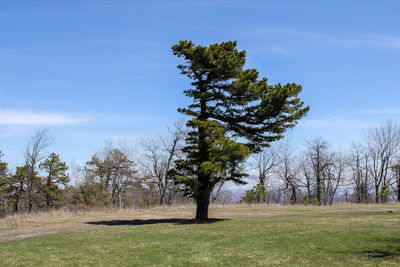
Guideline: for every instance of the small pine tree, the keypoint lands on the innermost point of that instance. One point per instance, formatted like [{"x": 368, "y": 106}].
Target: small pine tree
[
  {"x": 257, "y": 194},
  {"x": 56, "y": 177},
  {"x": 385, "y": 193}
]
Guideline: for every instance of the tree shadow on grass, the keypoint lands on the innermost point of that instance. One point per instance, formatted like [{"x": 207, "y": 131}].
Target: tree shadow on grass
[
  {"x": 153, "y": 221},
  {"x": 392, "y": 249},
  {"x": 380, "y": 253}
]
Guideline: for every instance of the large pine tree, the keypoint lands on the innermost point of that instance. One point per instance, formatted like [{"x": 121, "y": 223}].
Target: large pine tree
[{"x": 233, "y": 114}]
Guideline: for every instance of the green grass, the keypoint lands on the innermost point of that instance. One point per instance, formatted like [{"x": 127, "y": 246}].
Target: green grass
[{"x": 351, "y": 239}]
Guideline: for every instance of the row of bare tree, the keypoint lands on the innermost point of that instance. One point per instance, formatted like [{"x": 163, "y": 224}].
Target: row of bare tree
[{"x": 368, "y": 171}]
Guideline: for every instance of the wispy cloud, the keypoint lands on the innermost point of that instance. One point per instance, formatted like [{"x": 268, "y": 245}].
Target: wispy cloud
[
  {"x": 85, "y": 42},
  {"x": 168, "y": 4},
  {"x": 49, "y": 13},
  {"x": 279, "y": 49},
  {"x": 355, "y": 40},
  {"x": 142, "y": 76},
  {"x": 337, "y": 122},
  {"x": 116, "y": 119},
  {"x": 30, "y": 117},
  {"x": 271, "y": 49},
  {"x": 386, "y": 112},
  {"x": 383, "y": 40}
]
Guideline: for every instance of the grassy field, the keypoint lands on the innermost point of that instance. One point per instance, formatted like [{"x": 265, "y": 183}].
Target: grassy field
[{"x": 313, "y": 236}]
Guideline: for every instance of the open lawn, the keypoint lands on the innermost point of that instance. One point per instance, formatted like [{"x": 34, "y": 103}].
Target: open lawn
[{"x": 349, "y": 235}]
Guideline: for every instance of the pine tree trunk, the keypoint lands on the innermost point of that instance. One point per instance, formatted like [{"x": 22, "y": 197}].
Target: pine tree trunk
[
  {"x": 15, "y": 208},
  {"x": 48, "y": 193},
  {"x": 202, "y": 207},
  {"x": 47, "y": 201}
]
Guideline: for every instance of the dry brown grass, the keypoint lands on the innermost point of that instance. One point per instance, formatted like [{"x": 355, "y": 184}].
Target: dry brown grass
[
  {"x": 65, "y": 215},
  {"x": 78, "y": 215}
]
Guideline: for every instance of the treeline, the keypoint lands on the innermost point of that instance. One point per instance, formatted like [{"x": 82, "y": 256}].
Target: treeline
[
  {"x": 119, "y": 177},
  {"x": 111, "y": 178},
  {"x": 367, "y": 172}
]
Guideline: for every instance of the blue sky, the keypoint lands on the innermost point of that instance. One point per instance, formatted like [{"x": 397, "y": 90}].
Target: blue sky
[{"x": 99, "y": 70}]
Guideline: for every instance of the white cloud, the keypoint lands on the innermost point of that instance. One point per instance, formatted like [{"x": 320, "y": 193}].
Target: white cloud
[{"x": 29, "y": 117}]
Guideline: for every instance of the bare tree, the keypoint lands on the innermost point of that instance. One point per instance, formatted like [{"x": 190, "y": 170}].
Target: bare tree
[
  {"x": 264, "y": 164},
  {"x": 266, "y": 161},
  {"x": 396, "y": 175},
  {"x": 383, "y": 144},
  {"x": 333, "y": 176},
  {"x": 287, "y": 172},
  {"x": 305, "y": 171},
  {"x": 39, "y": 141},
  {"x": 217, "y": 193},
  {"x": 358, "y": 162},
  {"x": 322, "y": 171},
  {"x": 160, "y": 155},
  {"x": 222, "y": 195},
  {"x": 316, "y": 157}
]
